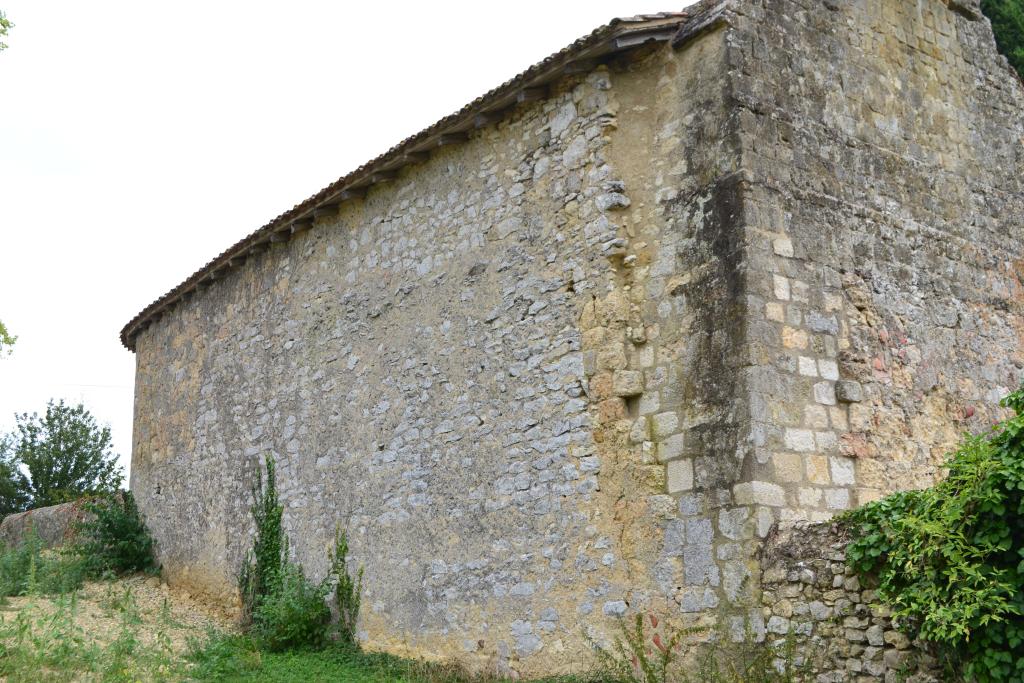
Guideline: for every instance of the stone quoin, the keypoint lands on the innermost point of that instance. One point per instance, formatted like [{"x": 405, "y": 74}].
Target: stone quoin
[{"x": 573, "y": 352}]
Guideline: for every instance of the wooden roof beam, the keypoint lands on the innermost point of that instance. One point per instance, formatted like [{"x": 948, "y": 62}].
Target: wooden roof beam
[
  {"x": 382, "y": 177},
  {"x": 415, "y": 157},
  {"x": 324, "y": 210},
  {"x": 580, "y": 66},
  {"x": 487, "y": 118},
  {"x": 446, "y": 139},
  {"x": 531, "y": 94},
  {"x": 301, "y": 225}
]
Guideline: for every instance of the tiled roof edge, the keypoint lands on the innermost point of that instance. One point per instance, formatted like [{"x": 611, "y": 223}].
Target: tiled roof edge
[{"x": 618, "y": 35}]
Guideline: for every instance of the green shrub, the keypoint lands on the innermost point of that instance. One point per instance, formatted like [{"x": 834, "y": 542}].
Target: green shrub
[
  {"x": 348, "y": 592},
  {"x": 950, "y": 559},
  {"x": 222, "y": 656},
  {"x": 1008, "y": 26},
  {"x": 114, "y": 538},
  {"x": 295, "y": 614}
]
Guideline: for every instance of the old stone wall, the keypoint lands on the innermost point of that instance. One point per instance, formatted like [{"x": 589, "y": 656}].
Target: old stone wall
[
  {"x": 839, "y": 630},
  {"x": 582, "y": 363},
  {"x": 884, "y": 141},
  {"x": 486, "y": 373}
]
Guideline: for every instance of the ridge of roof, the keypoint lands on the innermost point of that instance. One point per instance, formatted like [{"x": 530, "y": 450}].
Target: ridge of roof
[{"x": 619, "y": 35}]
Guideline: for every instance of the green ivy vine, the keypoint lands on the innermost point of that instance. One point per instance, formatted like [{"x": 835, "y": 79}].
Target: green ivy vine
[{"x": 949, "y": 559}]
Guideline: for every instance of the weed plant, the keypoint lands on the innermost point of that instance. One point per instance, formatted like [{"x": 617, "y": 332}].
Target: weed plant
[
  {"x": 648, "y": 651},
  {"x": 29, "y": 568},
  {"x": 240, "y": 658},
  {"x": 348, "y": 592},
  {"x": 282, "y": 608},
  {"x": 49, "y": 646}
]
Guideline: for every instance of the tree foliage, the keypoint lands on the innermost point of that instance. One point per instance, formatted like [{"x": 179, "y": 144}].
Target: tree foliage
[
  {"x": 13, "y": 484},
  {"x": 1007, "y": 17},
  {"x": 65, "y": 454},
  {"x": 5, "y": 25},
  {"x": 6, "y": 339},
  {"x": 950, "y": 559}
]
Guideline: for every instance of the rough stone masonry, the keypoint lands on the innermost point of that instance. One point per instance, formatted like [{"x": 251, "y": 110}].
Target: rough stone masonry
[{"x": 572, "y": 352}]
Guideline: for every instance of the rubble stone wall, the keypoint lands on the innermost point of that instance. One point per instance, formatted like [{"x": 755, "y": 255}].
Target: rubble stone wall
[{"x": 840, "y": 631}]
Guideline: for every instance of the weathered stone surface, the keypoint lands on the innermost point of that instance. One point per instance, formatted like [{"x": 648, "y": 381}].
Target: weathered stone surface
[
  {"x": 848, "y": 391},
  {"x": 583, "y": 360},
  {"x": 54, "y": 525}
]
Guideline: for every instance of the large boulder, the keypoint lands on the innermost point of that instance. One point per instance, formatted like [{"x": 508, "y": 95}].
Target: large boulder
[{"x": 55, "y": 525}]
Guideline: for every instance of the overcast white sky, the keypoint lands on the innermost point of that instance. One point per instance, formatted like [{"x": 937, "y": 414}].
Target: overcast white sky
[{"x": 139, "y": 139}]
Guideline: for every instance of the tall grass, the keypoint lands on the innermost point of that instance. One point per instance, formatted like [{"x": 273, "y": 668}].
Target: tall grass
[
  {"x": 29, "y": 568},
  {"x": 43, "y": 643}
]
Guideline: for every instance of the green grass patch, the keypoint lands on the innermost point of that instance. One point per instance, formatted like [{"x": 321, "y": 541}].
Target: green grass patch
[{"x": 232, "y": 658}]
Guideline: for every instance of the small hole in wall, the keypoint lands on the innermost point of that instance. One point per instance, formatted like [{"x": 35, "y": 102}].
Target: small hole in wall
[
  {"x": 158, "y": 489},
  {"x": 633, "y": 406}
]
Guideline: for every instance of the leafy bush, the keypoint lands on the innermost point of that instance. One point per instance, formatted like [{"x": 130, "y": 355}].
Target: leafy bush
[
  {"x": 295, "y": 614},
  {"x": 260, "y": 573},
  {"x": 114, "y": 537},
  {"x": 950, "y": 559},
  {"x": 115, "y": 540},
  {"x": 1008, "y": 25}
]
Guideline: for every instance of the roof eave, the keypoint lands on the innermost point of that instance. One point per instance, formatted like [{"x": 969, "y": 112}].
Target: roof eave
[{"x": 618, "y": 36}]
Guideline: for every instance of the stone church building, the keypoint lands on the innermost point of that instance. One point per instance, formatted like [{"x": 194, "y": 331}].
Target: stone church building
[{"x": 573, "y": 351}]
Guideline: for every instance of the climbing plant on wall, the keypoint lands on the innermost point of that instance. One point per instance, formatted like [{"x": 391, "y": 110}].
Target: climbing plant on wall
[{"x": 950, "y": 559}]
